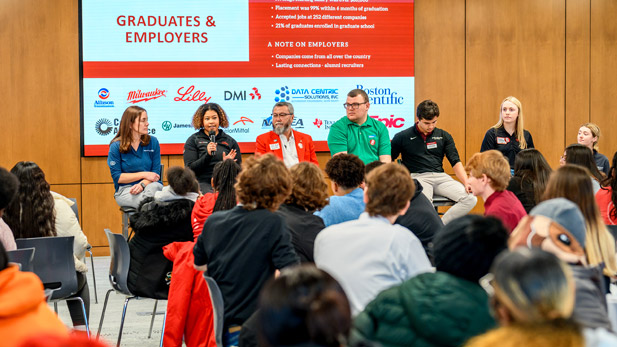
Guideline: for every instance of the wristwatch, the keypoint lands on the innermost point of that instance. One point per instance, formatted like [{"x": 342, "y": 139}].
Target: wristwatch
[{"x": 142, "y": 185}]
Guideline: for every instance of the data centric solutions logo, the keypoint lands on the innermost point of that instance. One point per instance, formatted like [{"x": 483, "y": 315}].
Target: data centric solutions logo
[{"x": 282, "y": 94}]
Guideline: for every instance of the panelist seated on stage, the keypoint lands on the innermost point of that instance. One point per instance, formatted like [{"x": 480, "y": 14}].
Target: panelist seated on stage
[{"x": 285, "y": 143}]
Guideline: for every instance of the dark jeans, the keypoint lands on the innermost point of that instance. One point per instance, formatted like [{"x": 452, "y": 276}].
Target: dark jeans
[{"x": 77, "y": 315}]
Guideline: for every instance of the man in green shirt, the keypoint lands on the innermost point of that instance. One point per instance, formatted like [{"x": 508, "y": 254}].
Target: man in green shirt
[{"x": 359, "y": 134}]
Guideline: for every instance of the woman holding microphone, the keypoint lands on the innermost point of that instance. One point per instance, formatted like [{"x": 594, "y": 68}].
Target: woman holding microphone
[{"x": 210, "y": 144}]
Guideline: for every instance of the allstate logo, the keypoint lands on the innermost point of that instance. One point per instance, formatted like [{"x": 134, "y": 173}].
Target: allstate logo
[
  {"x": 282, "y": 94},
  {"x": 103, "y": 93},
  {"x": 166, "y": 125},
  {"x": 103, "y": 127}
]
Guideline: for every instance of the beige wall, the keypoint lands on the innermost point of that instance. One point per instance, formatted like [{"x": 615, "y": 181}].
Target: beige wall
[{"x": 558, "y": 57}]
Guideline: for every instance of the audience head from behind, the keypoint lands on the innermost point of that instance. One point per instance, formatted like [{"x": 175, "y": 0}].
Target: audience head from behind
[
  {"x": 578, "y": 154},
  {"x": 467, "y": 246},
  {"x": 556, "y": 226},
  {"x": 427, "y": 114},
  {"x": 303, "y": 306},
  {"x": 31, "y": 212},
  {"x": 489, "y": 172},
  {"x": 531, "y": 167},
  {"x": 264, "y": 182},
  {"x": 182, "y": 180},
  {"x": 8, "y": 188},
  {"x": 224, "y": 178},
  {"x": 310, "y": 190},
  {"x": 346, "y": 173},
  {"x": 389, "y": 189}
]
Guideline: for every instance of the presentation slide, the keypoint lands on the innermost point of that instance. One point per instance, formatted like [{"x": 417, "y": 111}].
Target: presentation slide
[{"x": 170, "y": 57}]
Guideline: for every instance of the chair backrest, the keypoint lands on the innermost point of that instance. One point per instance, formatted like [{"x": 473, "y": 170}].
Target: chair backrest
[
  {"x": 120, "y": 262},
  {"x": 613, "y": 230},
  {"x": 74, "y": 208},
  {"x": 53, "y": 262},
  {"x": 218, "y": 308},
  {"x": 23, "y": 257}
]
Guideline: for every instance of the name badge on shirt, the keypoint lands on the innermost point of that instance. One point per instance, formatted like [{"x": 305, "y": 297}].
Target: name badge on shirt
[
  {"x": 502, "y": 140},
  {"x": 300, "y": 145},
  {"x": 431, "y": 145},
  {"x": 274, "y": 146}
]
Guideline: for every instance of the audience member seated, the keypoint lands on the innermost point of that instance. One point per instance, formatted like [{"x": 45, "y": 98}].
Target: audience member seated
[
  {"x": 160, "y": 220},
  {"x": 309, "y": 193},
  {"x": 558, "y": 226},
  {"x": 588, "y": 136},
  {"x": 23, "y": 308},
  {"x": 134, "y": 159},
  {"x": 346, "y": 174},
  {"x": 421, "y": 217},
  {"x": 607, "y": 196},
  {"x": 580, "y": 155},
  {"x": 489, "y": 174},
  {"x": 572, "y": 182},
  {"x": 371, "y": 254},
  {"x": 532, "y": 297},
  {"x": 189, "y": 310},
  {"x": 38, "y": 212},
  {"x": 444, "y": 308},
  {"x": 241, "y": 248},
  {"x": 531, "y": 173},
  {"x": 8, "y": 189}
]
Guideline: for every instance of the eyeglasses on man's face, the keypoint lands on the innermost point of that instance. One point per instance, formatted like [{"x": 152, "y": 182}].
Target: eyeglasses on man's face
[
  {"x": 280, "y": 115},
  {"x": 353, "y": 106}
]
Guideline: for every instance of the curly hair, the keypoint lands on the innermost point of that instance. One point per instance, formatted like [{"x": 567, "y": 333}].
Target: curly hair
[
  {"x": 182, "y": 180},
  {"x": 8, "y": 188},
  {"x": 346, "y": 170},
  {"x": 492, "y": 164},
  {"x": 310, "y": 190},
  {"x": 264, "y": 182},
  {"x": 125, "y": 134},
  {"x": 31, "y": 213},
  {"x": 389, "y": 188},
  {"x": 224, "y": 177},
  {"x": 198, "y": 117}
]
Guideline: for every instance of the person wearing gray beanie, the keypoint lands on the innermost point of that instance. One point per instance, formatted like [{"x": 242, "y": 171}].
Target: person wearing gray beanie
[{"x": 445, "y": 307}]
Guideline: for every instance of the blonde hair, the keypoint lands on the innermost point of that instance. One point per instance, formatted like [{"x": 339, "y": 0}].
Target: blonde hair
[
  {"x": 492, "y": 164},
  {"x": 595, "y": 132},
  {"x": 520, "y": 129}
]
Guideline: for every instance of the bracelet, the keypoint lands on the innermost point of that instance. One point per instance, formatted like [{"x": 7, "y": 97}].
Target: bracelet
[{"x": 143, "y": 186}]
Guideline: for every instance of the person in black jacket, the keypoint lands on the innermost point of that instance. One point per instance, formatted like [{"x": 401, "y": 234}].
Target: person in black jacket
[
  {"x": 200, "y": 152},
  {"x": 531, "y": 174},
  {"x": 309, "y": 193},
  {"x": 160, "y": 220}
]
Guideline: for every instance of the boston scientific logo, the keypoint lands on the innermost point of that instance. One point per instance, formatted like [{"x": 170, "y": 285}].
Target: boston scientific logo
[
  {"x": 103, "y": 127},
  {"x": 306, "y": 94},
  {"x": 382, "y": 96},
  {"x": 103, "y": 95}
]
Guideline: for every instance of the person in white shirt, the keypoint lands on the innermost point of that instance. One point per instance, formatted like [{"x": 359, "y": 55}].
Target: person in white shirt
[{"x": 371, "y": 254}]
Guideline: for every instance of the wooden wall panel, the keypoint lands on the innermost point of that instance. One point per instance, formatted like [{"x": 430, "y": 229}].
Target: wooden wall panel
[
  {"x": 100, "y": 211},
  {"x": 516, "y": 48},
  {"x": 39, "y": 86},
  {"x": 577, "y": 66},
  {"x": 440, "y": 63},
  {"x": 604, "y": 72}
]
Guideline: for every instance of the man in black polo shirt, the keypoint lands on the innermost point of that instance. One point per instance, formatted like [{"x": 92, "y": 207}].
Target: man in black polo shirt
[{"x": 422, "y": 148}]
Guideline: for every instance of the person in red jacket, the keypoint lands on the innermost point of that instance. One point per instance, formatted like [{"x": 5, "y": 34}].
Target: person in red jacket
[
  {"x": 285, "y": 143},
  {"x": 489, "y": 174}
]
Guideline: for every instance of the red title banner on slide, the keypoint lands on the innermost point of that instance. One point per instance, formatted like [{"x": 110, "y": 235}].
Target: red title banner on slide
[{"x": 286, "y": 39}]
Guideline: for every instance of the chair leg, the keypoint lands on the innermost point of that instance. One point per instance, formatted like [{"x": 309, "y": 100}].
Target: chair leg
[
  {"x": 96, "y": 297},
  {"x": 163, "y": 329},
  {"x": 56, "y": 307},
  {"x": 103, "y": 313},
  {"x": 126, "y": 302},
  {"x": 152, "y": 320},
  {"x": 83, "y": 310}
]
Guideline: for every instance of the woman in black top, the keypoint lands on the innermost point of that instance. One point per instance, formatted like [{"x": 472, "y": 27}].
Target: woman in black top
[
  {"x": 531, "y": 174},
  {"x": 200, "y": 153},
  {"x": 588, "y": 136},
  {"x": 508, "y": 136}
]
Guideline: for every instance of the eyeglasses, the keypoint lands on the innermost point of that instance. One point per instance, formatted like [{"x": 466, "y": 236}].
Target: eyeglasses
[
  {"x": 487, "y": 285},
  {"x": 353, "y": 106},
  {"x": 281, "y": 115}
]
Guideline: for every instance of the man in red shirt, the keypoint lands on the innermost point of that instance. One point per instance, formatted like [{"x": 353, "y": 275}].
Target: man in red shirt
[
  {"x": 489, "y": 174},
  {"x": 287, "y": 144}
]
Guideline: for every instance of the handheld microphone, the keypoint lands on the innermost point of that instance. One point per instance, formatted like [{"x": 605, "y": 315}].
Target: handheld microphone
[{"x": 212, "y": 139}]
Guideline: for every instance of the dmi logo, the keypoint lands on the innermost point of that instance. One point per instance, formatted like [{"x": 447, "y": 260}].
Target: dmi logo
[{"x": 241, "y": 94}]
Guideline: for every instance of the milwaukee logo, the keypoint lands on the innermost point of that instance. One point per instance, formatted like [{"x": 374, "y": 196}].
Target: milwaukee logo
[{"x": 139, "y": 96}]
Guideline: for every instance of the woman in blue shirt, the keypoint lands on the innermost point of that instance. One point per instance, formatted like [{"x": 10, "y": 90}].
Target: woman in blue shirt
[{"x": 134, "y": 159}]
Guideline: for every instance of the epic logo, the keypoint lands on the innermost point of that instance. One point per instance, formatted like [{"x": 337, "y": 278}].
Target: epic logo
[
  {"x": 241, "y": 95},
  {"x": 391, "y": 122}
]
